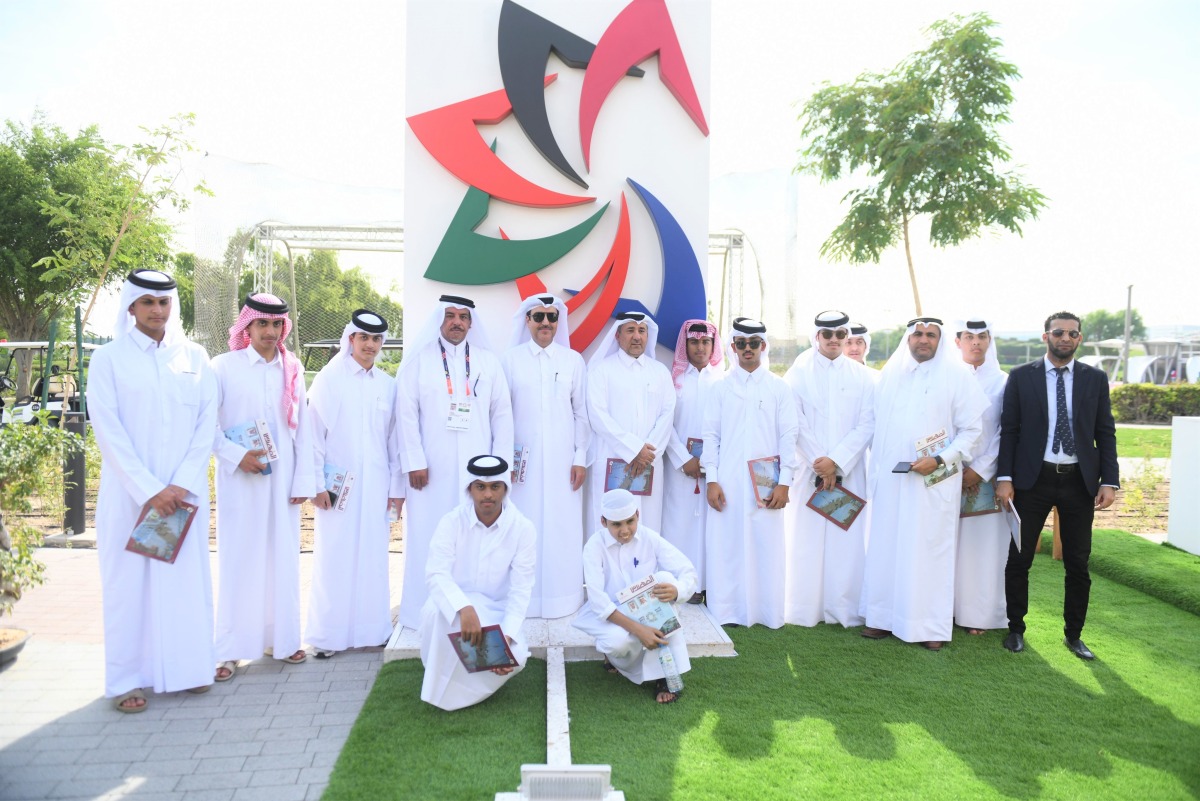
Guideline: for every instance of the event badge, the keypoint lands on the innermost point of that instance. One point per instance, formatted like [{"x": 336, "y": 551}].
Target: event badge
[{"x": 459, "y": 418}]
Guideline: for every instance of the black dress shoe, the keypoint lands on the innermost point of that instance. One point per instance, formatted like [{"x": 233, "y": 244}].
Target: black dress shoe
[
  {"x": 1079, "y": 649},
  {"x": 1015, "y": 642}
]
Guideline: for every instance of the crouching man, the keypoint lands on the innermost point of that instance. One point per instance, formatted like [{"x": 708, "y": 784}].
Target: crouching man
[
  {"x": 479, "y": 574},
  {"x": 614, "y": 559}
]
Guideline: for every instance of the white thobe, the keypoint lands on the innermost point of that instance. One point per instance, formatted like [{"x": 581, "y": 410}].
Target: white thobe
[
  {"x": 748, "y": 416},
  {"x": 490, "y": 568},
  {"x": 354, "y": 428},
  {"x": 422, "y": 403},
  {"x": 550, "y": 421},
  {"x": 979, "y": 601},
  {"x": 153, "y": 410},
  {"x": 258, "y": 528},
  {"x": 908, "y": 583},
  {"x": 835, "y": 402},
  {"x": 610, "y": 567},
  {"x": 685, "y": 505},
  {"x": 631, "y": 402}
]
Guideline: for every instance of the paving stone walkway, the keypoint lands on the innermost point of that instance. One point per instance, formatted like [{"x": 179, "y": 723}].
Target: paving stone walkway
[{"x": 273, "y": 732}]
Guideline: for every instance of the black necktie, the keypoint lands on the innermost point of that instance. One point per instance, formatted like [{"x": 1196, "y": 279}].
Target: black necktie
[{"x": 1062, "y": 426}]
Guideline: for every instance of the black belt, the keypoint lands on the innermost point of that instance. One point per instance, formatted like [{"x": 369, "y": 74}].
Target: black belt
[{"x": 1055, "y": 467}]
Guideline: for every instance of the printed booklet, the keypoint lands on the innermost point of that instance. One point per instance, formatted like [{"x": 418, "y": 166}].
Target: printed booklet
[
  {"x": 764, "y": 477},
  {"x": 839, "y": 506},
  {"x": 255, "y": 436},
  {"x": 932, "y": 446},
  {"x": 159, "y": 537},
  {"x": 492, "y": 653},
  {"x": 339, "y": 482},
  {"x": 638, "y": 602},
  {"x": 616, "y": 476},
  {"x": 979, "y": 500}
]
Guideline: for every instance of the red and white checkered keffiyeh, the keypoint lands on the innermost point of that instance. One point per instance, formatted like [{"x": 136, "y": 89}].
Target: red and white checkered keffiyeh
[
  {"x": 681, "y": 358},
  {"x": 239, "y": 339}
]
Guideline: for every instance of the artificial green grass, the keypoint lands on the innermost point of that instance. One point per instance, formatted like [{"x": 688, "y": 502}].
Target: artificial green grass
[
  {"x": 823, "y": 713},
  {"x": 1166, "y": 573},
  {"x": 1153, "y": 443},
  {"x": 403, "y": 748}
]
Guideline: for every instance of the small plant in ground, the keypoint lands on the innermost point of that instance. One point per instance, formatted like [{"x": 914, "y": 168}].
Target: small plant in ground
[
  {"x": 25, "y": 450},
  {"x": 1141, "y": 501}
]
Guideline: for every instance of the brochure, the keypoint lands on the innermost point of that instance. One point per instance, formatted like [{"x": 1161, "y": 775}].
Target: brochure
[
  {"x": 493, "y": 652},
  {"x": 838, "y": 505},
  {"x": 159, "y": 537},
  {"x": 931, "y": 446},
  {"x": 1014, "y": 524},
  {"x": 520, "y": 463},
  {"x": 255, "y": 436},
  {"x": 979, "y": 500},
  {"x": 616, "y": 476},
  {"x": 695, "y": 446},
  {"x": 638, "y": 602},
  {"x": 339, "y": 482},
  {"x": 764, "y": 477}
]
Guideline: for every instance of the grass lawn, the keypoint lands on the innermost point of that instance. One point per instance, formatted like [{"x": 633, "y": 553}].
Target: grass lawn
[
  {"x": 824, "y": 714},
  {"x": 401, "y": 747},
  {"x": 1153, "y": 443}
]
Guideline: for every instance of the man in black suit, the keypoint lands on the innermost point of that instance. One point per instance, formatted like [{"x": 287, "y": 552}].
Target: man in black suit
[{"x": 1058, "y": 448}]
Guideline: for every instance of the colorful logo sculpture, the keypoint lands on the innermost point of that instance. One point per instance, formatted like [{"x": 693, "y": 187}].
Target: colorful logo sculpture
[{"x": 451, "y": 136}]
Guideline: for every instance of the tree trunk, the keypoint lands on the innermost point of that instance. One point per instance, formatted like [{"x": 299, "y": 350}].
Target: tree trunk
[{"x": 912, "y": 275}]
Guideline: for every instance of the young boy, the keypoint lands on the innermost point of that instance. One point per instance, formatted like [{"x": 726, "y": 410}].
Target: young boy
[{"x": 613, "y": 560}]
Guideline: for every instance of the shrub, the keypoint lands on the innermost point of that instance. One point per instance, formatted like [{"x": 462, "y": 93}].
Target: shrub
[
  {"x": 24, "y": 452},
  {"x": 1150, "y": 403}
]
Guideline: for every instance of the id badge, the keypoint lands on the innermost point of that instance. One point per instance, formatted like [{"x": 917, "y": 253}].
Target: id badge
[{"x": 459, "y": 418}]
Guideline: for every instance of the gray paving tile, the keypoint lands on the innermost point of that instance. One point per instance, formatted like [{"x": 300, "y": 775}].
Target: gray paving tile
[
  {"x": 102, "y": 755},
  {"x": 291, "y": 721},
  {"x": 226, "y": 749},
  {"x": 294, "y": 792},
  {"x": 185, "y": 725},
  {"x": 337, "y": 731},
  {"x": 173, "y": 751},
  {"x": 264, "y": 688},
  {"x": 328, "y": 744},
  {"x": 274, "y": 778},
  {"x": 239, "y": 724},
  {"x": 314, "y": 775},
  {"x": 132, "y": 725},
  {"x": 288, "y": 708},
  {"x": 162, "y": 767},
  {"x": 209, "y": 795},
  {"x": 191, "y": 712},
  {"x": 284, "y": 747},
  {"x": 334, "y": 718},
  {"x": 101, "y": 770},
  {"x": 265, "y": 762},
  {"x": 295, "y": 691},
  {"x": 325, "y": 758},
  {"x": 350, "y": 684},
  {"x": 229, "y": 764},
  {"x": 29, "y": 788},
  {"x": 345, "y": 696},
  {"x": 151, "y": 788},
  {"x": 315, "y": 791},
  {"x": 214, "y": 781},
  {"x": 306, "y": 733},
  {"x": 245, "y": 710},
  {"x": 59, "y": 758}
]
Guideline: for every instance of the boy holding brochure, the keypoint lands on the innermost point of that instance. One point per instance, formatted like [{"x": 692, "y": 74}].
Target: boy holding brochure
[
  {"x": 265, "y": 470},
  {"x": 617, "y": 562}
]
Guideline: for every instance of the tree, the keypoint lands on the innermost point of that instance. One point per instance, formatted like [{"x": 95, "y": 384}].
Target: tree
[
  {"x": 1099, "y": 325},
  {"x": 926, "y": 134},
  {"x": 72, "y": 209}
]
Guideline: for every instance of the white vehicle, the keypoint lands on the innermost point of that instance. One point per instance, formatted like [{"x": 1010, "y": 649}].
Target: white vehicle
[{"x": 60, "y": 383}]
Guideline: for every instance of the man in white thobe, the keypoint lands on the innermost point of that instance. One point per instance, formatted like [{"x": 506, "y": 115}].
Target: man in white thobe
[
  {"x": 979, "y": 602},
  {"x": 480, "y": 574},
  {"x": 618, "y": 555},
  {"x": 835, "y": 402},
  {"x": 452, "y": 402},
  {"x": 354, "y": 433},
  {"x": 551, "y": 435},
  {"x": 750, "y": 417},
  {"x": 631, "y": 405},
  {"x": 908, "y": 584},
  {"x": 258, "y": 499},
  {"x": 697, "y": 367},
  {"x": 152, "y": 399},
  {"x": 858, "y": 343}
]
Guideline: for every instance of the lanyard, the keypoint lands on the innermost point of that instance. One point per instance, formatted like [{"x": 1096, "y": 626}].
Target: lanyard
[{"x": 446, "y": 367}]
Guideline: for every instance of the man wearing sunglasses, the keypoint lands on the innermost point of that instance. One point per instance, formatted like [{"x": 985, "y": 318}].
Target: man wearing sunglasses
[
  {"x": 928, "y": 419},
  {"x": 551, "y": 435},
  {"x": 835, "y": 402},
  {"x": 750, "y": 417},
  {"x": 1058, "y": 448}
]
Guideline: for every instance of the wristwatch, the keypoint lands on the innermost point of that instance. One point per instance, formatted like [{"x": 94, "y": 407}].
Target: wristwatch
[{"x": 940, "y": 461}]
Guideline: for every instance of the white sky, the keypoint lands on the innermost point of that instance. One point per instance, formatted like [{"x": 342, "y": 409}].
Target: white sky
[{"x": 1105, "y": 124}]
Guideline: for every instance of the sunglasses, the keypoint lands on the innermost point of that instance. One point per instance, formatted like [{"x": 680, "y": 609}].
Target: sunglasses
[
  {"x": 827, "y": 334},
  {"x": 537, "y": 317},
  {"x": 1059, "y": 333},
  {"x": 752, "y": 344}
]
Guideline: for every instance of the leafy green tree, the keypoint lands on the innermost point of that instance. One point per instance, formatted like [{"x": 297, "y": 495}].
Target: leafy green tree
[
  {"x": 1098, "y": 325},
  {"x": 925, "y": 134}
]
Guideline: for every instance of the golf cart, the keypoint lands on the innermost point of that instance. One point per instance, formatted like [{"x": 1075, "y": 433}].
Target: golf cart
[{"x": 59, "y": 382}]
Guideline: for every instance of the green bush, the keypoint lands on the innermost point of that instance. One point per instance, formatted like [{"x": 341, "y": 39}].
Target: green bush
[
  {"x": 1150, "y": 403},
  {"x": 24, "y": 453}
]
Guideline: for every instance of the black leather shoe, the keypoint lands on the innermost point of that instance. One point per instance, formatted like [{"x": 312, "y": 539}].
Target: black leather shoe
[
  {"x": 1079, "y": 649},
  {"x": 1015, "y": 642}
]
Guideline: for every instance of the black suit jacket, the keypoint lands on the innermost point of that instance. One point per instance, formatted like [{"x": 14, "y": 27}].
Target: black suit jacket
[{"x": 1025, "y": 422}]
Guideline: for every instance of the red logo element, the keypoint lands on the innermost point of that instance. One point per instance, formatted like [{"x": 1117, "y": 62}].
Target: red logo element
[
  {"x": 450, "y": 136},
  {"x": 642, "y": 29}
]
